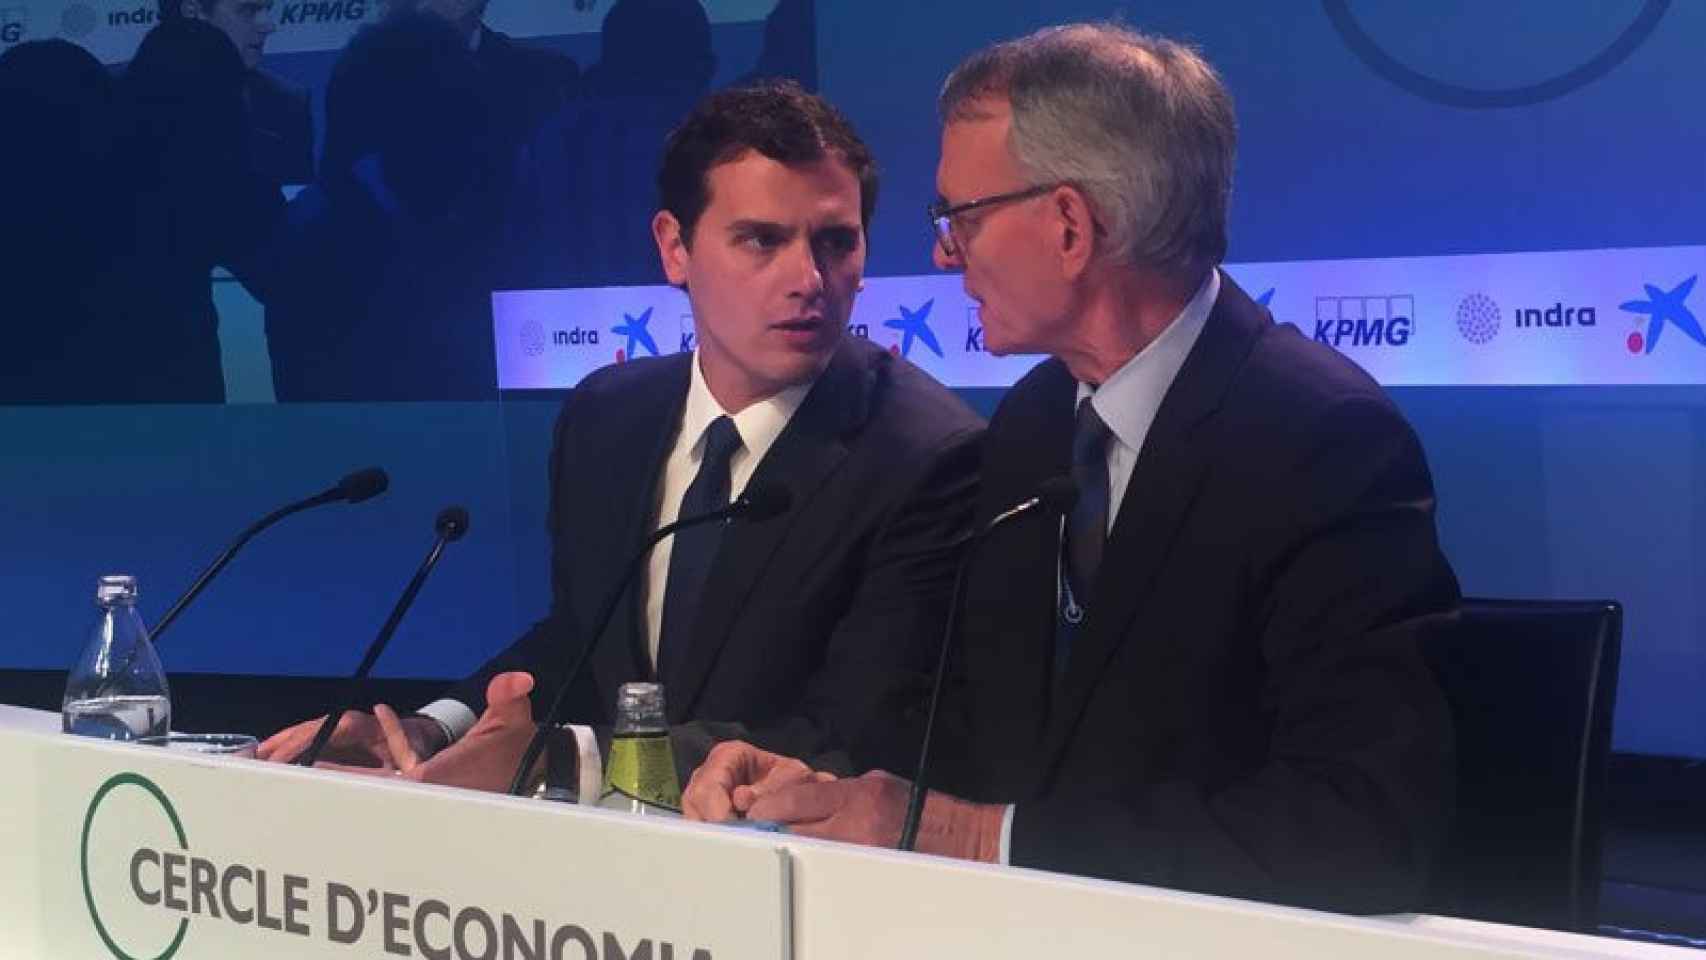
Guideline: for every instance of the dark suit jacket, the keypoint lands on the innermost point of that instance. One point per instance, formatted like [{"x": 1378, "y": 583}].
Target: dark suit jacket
[
  {"x": 808, "y": 619},
  {"x": 1244, "y": 711},
  {"x": 281, "y": 129},
  {"x": 526, "y": 83}
]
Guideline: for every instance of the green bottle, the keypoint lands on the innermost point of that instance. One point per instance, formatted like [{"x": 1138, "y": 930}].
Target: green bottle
[{"x": 640, "y": 775}]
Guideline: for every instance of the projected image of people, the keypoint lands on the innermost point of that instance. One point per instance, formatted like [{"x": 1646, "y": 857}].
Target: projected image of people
[{"x": 279, "y": 205}]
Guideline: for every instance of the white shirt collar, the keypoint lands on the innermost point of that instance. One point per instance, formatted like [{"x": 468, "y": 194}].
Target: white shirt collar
[
  {"x": 759, "y": 424},
  {"x": 1130, "y": 399}
]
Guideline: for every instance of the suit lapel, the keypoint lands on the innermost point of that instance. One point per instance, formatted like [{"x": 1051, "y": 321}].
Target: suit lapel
[
  {"x": 1010, "y": 608},
  {"x": 644, "y": 424},
  {"x": 1163, "y": 485},
  {"x": 802, "y": 458}
]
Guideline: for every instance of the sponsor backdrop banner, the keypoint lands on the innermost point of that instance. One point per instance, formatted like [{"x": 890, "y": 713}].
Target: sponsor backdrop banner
[
  {"x": 1569, "y": 318},
  {"x": 111, "y": 29}
]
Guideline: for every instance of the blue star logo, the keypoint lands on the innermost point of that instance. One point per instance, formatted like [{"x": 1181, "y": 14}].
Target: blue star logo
[
  {"x": 1662, "y": 306},
  {"x": 1266, "y": 298},
  {"x": 915, "y": 324},
  {"x": 634, "y": 328}
]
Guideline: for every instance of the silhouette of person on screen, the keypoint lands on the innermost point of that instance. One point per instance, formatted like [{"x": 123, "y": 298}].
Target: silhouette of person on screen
[
  {"x": 790, "y": 45},
  {"x": 388, "y": 256},
  {"x": 58, "y": 102},
  {"x": 585, "y": 221},
  {"x": 195, "y": 202}
]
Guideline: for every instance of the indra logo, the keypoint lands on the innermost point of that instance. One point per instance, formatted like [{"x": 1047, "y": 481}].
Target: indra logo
[
  {"x": 143, "y": 15},
  {"x": 532, "y": 338},
  {"x": 1662, "y": 307},
  {"x": 1478, "y": 318},
  {"x": 14, "y": 25},
  {"x": 1379, "y": 321},
  {"x": 638, "y": 334},
  {"x": 1555, "y": 317},
  {"x": 915, "y": 325}
]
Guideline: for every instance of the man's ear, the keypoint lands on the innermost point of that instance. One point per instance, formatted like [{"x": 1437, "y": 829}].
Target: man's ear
[
  {"x": 1074, "y": 229},
  {"x": 672, "y": 247}
]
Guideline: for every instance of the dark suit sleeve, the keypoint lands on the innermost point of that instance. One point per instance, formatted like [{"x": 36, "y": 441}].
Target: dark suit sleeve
[
  {"x": 846, "y": 721},
  {"x": 547, "y": 647},
  {"x": 1356, "y": 785}
]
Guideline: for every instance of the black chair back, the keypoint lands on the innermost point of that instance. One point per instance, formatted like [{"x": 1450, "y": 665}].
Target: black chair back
[{"x": 1531, "y": 684}]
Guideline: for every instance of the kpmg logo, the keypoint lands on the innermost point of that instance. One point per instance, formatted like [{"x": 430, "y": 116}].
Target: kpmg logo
[
  {"x": 325, "y": 11},
  {"x": 974, "y": 329},
  {"x": 1478, "y": 318},
  {"x": 1662, "y": 307},
  {"x": 915, "y": 325},
  {"x": 1378, "y": 321},
  {"x": 637, "y": 332},
  {"x": 14, "y": 25}
]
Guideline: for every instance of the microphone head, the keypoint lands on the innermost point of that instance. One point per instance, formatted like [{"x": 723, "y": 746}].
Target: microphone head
[
  {"x": 363, "y": 485},
  {"x": 1057, "y": 494},
  {"x": 452, "y": 523},
  {"x": 762, "y": 503}
]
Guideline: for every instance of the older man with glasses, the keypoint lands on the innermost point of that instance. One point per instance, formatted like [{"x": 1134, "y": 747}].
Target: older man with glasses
[{"x": 1206, "y": 675}]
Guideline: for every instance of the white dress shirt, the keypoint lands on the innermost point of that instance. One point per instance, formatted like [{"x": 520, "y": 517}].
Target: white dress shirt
[
  {"x": 1128, "y": 403},
  {"x": 759, "y": 425}
]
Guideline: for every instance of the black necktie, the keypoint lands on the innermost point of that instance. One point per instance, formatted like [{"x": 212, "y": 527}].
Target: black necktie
[
  {"x": 1086, "y": 526},
  {"x": 696, "y": 547}
]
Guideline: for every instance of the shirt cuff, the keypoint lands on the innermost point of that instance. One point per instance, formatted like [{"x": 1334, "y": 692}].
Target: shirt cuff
[
  {"x": 453, "y": 715},
  {"x": 1006, "y": 856},
  {"x": 591, "y": 767}
]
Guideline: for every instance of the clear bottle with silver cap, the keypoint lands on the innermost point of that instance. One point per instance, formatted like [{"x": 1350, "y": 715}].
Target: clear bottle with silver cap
[
  {"x": 640, "y": 776},
  {"x": 117, "y": 690}
]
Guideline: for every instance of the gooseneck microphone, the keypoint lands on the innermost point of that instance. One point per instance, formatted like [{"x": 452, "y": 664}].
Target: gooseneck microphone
[
  {"x": 449, "y": 527},
  {"x": 1054, "y": 496},
  {"x": 754, "y": 505},
  {"x": 358, "y": 486}
]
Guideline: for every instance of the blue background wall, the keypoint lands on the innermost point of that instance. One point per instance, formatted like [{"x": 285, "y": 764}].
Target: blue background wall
[{"x": 1566, "y": 492}]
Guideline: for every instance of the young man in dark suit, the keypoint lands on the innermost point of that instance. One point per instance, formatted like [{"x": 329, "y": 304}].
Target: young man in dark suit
[
  {"x": 791, "y": 631},
  {"x": 281, "y": 128},
  {"x": 1206, "y": 675}
]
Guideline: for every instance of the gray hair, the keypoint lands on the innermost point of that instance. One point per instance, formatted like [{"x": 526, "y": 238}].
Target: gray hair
[{"x": 1141, "y": 124}]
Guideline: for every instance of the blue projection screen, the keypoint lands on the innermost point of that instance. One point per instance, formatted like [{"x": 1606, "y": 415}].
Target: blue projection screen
[{"x": 1499, "y": 210}]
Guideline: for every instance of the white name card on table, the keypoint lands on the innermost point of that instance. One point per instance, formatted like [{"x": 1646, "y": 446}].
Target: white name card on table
[
  {"x": 111, "y": 850},
  {"x": 142, "y": 853},
  {"x": 856, "y": 902}
]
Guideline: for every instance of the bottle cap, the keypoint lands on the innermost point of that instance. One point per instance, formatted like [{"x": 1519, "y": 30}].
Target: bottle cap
[
  {"x": 639, "y": 706},
  {"x": 116, "y": 588}
]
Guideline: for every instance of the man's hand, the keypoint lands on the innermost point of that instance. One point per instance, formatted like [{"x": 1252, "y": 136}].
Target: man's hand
[
  {"x": 735, "y": 775},
  {"x": 358, "y": 741},
  {"x": 486, "y": 758},
  {"x": 870, "y": 810}
]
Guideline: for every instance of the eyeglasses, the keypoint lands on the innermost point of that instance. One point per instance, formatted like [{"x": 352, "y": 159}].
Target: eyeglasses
[{"x": 942, "y": 215}]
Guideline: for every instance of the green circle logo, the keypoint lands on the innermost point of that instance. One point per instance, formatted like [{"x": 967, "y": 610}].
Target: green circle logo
[{"x": 147, "y": 785}]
